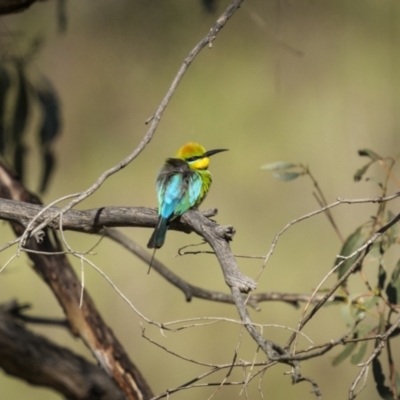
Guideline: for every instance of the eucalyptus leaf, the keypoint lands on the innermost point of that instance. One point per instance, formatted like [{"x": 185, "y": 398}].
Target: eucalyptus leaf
[
  {"x": 348, "y": 349},
  {"x": 286, "y": 176},
  {"x": 393, "y": 231},
  {"x": 381, "y": 277},
  {"x": 352, "y": 311},
  {"x": 357, "y": 357},
  {"x": 379, "y": 378},
  {"x": 50, "y": 128},
  {"x": 375, "y": 179},
  {"x": 369, "y": 153},
  {"x": 397, "y": 382},
  {"x": 361, "y": 172},
  {"x": 20, "y": 119},
  {"x": 21, "y": 110},
  {"x": 278, "y": 165},
  {"x": 19, "y": 159},
  {"x": 48, "y": 161},
  {"x": 375, "y": 250},
  {"x": 393, "y": 288},
  {"x": 5, "y": 84},
  {"x": 51, "y": 120},
  {"x": 346, "y": 314},
  {"x": 352, "y": 243},
  {"x": 371, "y": 302}
]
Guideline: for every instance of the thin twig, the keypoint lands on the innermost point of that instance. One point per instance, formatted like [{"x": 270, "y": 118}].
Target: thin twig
[
  {"x": 365, "y": 366},
  {"x": 207, "y": 40}
]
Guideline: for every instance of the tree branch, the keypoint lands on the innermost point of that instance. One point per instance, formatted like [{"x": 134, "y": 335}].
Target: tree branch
[
  {"x": 84, "y": 319},
  {"x": 155, "y": 119},
  {"x": 38, "y": 361},
  {"x": 191, "y": 291},
  {"x": 92, "y": 221},
  {"x": 87, "y": 221}
]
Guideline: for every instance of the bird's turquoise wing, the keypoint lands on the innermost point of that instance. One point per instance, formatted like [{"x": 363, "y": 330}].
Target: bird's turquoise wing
[
  {"x": 179, "y": 192},
  {"x": 170, "y": 193},
  {"x": 191, "y": 195}
]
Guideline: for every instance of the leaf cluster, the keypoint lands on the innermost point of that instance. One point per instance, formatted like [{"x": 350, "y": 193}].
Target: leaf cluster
[
  {"x": 381, "y": 300},
  {"x": 19, "y": 97}
]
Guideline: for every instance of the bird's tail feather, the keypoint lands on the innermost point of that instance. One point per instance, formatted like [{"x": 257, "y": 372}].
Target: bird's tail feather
[
  {"x": 151, "y": 261},
  {"x": 158, "y": 237}
]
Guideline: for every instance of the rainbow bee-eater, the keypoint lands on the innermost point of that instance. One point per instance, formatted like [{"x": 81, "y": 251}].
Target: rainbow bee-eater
[{"x": 182, "y": 183}]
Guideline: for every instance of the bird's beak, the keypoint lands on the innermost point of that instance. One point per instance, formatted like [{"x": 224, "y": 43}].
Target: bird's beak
[{"x": 212, "y": 152}]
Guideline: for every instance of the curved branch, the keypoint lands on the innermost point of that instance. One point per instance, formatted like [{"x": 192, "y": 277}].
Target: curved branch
[
  {"x": 218, "y": 237},
  {"x": 191, "y": 291}
]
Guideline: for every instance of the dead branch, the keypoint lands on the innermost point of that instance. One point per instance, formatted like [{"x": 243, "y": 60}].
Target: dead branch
[
  {"x": 40, "y": 362},
  {"x": 87, "y": 221},
  {"x": 191, "y": 291},
  {"x": 92, "y": 221},
  {"x": 84, "y": 321}
]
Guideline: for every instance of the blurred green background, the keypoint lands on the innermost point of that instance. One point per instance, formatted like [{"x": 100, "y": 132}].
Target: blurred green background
[{"x": 305, "y": 81}]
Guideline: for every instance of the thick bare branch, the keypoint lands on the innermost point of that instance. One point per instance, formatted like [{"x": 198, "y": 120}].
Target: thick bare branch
[
  {"x": 84, "y": 321},
  {"x": 218, "y": 238},
  {"x": 89, "y": 221},
  {"x": 94, "y": 220},
  {"x": 38, "y": 361}
]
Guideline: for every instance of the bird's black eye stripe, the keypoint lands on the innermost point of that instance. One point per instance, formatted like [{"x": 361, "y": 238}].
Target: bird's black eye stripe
[{"x": 191, "y": 159}]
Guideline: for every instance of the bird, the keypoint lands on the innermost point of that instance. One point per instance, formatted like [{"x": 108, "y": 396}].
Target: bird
[{"x": 182, "y": 183}]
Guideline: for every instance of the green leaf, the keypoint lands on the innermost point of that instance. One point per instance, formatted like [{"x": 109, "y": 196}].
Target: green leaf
[
  {"x": 372, "y": 302},
  {"x": 364, "y": 330},
  {"x": 379, "y": 378},
  {"x": 369, "y": 153},
  {"x": 21, "y": 105},
  {"x": 376, "y": 250},
  {"x": 348, "y": 349},
  {"x": 393, "y": 288},
  {"x": 286, "y": 176},
  {"x": 357, "y": 357},
  {"x": 347, "y": 315},
  {"x": 279, "y": 165},
  {"x": 378, "y": 181},
  {"x": 51, "y": 123},
  {"x": 5, "y": 84},
  {"x": 20, "y": 118},
  {"x": 397, "y": 382},
  {"x": 392, "y": 233},
  {"x": 354, "y": 310},
  {"x": 19, "y": 158},
  {"x": 381, "y": 277},
  {"x": 48, "y": 161},
  {"x": 353, "y": 242},
  {"x": 361, "y": 172},
  {"x": 50, "y": 105}
]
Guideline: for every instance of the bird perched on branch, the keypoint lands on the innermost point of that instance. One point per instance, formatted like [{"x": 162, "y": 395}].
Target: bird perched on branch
[{"x": 182, "y": 183}]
